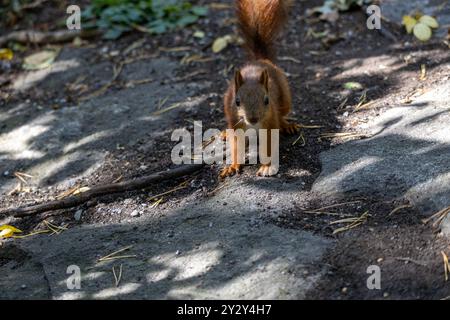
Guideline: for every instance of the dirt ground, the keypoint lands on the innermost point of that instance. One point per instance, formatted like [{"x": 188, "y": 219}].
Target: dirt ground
[{"x": 408, "y": 251}]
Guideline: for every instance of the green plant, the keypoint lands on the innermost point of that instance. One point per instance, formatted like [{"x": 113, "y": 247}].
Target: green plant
[{"x": 154, "y": 16}]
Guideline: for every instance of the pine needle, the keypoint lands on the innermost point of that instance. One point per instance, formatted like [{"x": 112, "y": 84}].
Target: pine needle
[
  {"x": 301, "y": 137},
  {"x": 110, "y": 256},
  {"x": 119, "y": 277},
  {"x": 446, "y": 265},
  {"x": 438, "y": 217},
  {"x": 406, "y": 206},
  {"x": 352, "y": 222}
]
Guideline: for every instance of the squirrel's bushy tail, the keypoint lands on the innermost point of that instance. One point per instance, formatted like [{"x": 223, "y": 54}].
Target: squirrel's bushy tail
[{"x": 260, "y": 22}]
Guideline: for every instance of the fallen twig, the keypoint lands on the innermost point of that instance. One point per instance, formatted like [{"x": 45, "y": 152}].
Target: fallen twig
[
  {"x": 116, "y": 72},
  {"x": 119, "y": 277},
  {"x": 114, "y": 253},
  {"x": 38, "y": 37},
  {"x": 102, "y": 190},
  {"x": 351, "y": 222},
  {"x": 406, "y": 206},
  {"x": 438, "y": 217},
  {"x": 420, "y": 263}
]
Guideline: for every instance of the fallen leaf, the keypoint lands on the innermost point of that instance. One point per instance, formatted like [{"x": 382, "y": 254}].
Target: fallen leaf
[
  {"x": 7, "y": 231},
  {"x": 409, "y": 23},
  {"x": 6, "y": 54},
  {"x": 221, "y": 43},
  {"x": 353, "y": 86},
  {"x": 429, "y": 21},
  {"x": 40, "y": 60},
  {"x": 422, "y": 32},
  {"x": 199, "y": 34}
]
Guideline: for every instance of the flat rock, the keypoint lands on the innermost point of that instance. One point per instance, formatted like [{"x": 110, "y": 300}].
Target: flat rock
[
  {"x": 203, "y": 251},
  {"x": 408, "y": 156},
  {"x": 57, "y": 147}
]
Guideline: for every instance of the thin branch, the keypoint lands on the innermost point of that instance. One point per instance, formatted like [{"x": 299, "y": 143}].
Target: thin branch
[
  {"x": 103, "y": 190},
  {"x": 39, "y": 37}
]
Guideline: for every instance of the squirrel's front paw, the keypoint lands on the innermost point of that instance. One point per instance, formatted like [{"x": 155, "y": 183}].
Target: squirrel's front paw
[
  {"x": 267, "y": 171},
  {"x": 230, "y": 171},
  {"x": 291, "y": 128}
]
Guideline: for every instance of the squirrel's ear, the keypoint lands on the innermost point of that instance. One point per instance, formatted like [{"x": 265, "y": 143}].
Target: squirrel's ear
[
  {"x": 265, "y": 79},
  {"x": 238, "y": 80}
]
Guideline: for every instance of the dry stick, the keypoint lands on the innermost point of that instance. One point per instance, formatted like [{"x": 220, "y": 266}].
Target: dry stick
[
  {"x": 38, "y": 37},
  {"x": 420, "y": 263},
  {"x": 103, "y": 190}
]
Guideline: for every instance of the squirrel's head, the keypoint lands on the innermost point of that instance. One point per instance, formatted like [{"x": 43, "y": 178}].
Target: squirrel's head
[{"x": 252, "y": 95}]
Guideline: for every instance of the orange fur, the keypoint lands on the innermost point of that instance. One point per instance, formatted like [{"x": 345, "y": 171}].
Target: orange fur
[{"x": 259, "y": 94}]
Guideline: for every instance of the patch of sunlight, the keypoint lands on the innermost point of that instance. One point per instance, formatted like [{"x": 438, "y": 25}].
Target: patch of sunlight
[
  {"x": 432, "y": 187},
  {"x": 46, "y": 169},
  {"x": 114, "y": 292},
  {"x": 86, "y": 140},
  {"x": 29, "y": 79},
  {"x": 268, "y": 280},
  {"x": 359, "y": 165},
  {"x": 187, "y": 264},
  {"x": 71, "y": 295},
  {"x": 420, "y": 121},
  {"x": 16, "y": 142},
  {"x": 369, "y": 66},
  {"x": 12, "y": 111}
]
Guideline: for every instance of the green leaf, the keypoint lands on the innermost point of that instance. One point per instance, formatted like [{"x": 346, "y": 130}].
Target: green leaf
[
  {"x": 112, "y": 34},
  {"x": 187, "y": 20},
  {"x": 422, "y": 32},
  {"x": 353, "y": 86},
  {"x": 199, "y": 11}
]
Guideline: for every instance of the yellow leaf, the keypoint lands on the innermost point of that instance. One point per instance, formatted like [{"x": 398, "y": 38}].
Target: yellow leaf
[
  {"x": 199, "y": 34},
  {"x": 422, "y": 32},
  {"x": 40, "y": 60},
  {"x": 429, "y": 21},
  {"x": 6, "y": 54},
  {"x": 81, "y": 190},
  {"x": 220, "y": 44},
  {"x": 8, "y": 231},
  {"x": 409, "y": 23}
]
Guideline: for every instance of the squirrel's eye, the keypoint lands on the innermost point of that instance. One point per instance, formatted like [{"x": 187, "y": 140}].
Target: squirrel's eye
[
  {"x": 238, "y": 102},
  {"x": 266, "y": 101}
]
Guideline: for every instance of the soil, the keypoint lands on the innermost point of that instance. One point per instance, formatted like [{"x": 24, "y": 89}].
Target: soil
[{"x": 408, "y": 251}]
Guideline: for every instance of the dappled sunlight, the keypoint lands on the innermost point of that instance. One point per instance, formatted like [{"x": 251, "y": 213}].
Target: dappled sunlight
[
  {"x": 27, "y": 80},
  {"x": 369, "y": 66},
  {"x": 114, "y": 292},
  {"x": 16, "y": 143},
  {"x": 72, "y": 146},
  {"x": 189, "y": 264}
]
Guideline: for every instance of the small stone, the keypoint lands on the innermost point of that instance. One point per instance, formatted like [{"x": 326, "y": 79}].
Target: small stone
[
  {"x": 135, "y": 213},
  {"x": 386, "y": 294},
  {"x": 24, "y": 286},
  {"x": 344, "y": 290},
  {"x": 77, "y": 215},
  {"x": 6, "y": 173},
  {"x": 379, "y": 260}
]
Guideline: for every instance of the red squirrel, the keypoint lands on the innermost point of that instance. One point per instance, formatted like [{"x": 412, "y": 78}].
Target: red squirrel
[{"x": 259, "y": 95}]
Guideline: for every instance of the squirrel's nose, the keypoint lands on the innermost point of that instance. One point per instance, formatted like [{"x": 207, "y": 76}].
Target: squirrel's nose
[{"x": 253, "y": 120}]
